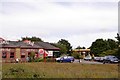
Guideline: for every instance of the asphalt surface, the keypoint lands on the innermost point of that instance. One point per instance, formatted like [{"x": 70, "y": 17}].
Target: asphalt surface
[{"x": 86, "y": 62}]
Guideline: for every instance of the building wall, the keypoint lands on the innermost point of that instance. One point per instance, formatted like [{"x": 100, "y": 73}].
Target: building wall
[
  {"x": 11, "y": 54},
  {"x": 8, "y": 54},
  {"x": 26, "y": 52},
  {"x": 18, "y": 53}
]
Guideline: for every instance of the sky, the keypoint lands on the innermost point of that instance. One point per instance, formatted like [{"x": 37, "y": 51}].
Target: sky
[{"x": 80, "y": 22}]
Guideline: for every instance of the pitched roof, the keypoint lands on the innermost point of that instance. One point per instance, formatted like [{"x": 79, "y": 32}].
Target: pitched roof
[
  {"x": 21, "y": 44},
  {"x": 26, "y": 45},
  {"x": 1, "y": 39},
  {"x": 47, "y": 45},
  {"x": 9, "y": 44}
]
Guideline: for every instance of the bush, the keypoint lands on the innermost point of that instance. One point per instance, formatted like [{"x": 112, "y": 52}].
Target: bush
[
  {"x": 49, "y": 60},
  {"x": 76, "y": 55},
  {"x": 39, "y": 60},
  {"x": 108, "y": 52},
  {"x": 32, "y": 55}
]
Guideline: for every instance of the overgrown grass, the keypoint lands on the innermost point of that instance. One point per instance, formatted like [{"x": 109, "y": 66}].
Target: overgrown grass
[{"x": 59, "y": 70}]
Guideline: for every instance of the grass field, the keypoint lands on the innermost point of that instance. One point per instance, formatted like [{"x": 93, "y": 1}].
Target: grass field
[{"x": 59, "y": 70}]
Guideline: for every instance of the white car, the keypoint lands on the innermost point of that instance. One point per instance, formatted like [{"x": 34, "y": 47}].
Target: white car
[{"x": 88, "y": 58}]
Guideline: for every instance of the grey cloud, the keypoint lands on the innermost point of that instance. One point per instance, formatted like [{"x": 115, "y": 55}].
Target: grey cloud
[
  {"x": 15, "y": 7},
  {"x": 63, "y": 22},
  {"x": 98, "y": 5}
]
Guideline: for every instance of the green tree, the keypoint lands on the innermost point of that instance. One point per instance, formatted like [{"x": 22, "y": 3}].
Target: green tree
[
  {"x": 109, "y": 52},
  {"x": 32, "y": 55},
  {"x": 80, "y": 47},
  {"x": 65, "y": 46},
  {"x": 76, "y": 55},
  {"x": 118, "y": 38},
  {"x": 99, "y": 46},
  {"x": 112, "y": 43},
  {"x": 118, "y": 51},
  {"x": 35, "y": 39},
  {"x": 63, "y": 49}
]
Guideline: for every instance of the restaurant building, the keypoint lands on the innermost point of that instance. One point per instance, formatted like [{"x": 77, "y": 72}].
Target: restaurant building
[{"x": 10, "y": 50}]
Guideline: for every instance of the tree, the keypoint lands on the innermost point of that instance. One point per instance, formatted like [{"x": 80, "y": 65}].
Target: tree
[
  {"x": 66, "y": 45},
  {"x": 112, "y": 44},
  {"x": 32, "y": 55},
  {"x": 63, "y": 49},
  {"x": 99, "y": 46},
  {"x": 35, "y": 39},
  {"x": 109, "y": 52},
  {"x": 80, "y": 47},
  {"x": 118, "y": 38},
  {"x": 118, "y": 51},
  {"x": 76, "y": 55}
]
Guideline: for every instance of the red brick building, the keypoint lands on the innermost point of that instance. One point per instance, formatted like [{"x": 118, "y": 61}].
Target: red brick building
[{"x": 10, "y": 50}]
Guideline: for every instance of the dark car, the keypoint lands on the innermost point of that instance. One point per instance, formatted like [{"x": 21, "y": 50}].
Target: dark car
[
  {"x": 65, "y": 59},
  {"x": 110, "y": 59}
]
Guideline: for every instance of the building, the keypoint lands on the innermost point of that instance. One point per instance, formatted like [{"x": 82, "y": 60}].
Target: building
[{"x": 10, "y": 50}]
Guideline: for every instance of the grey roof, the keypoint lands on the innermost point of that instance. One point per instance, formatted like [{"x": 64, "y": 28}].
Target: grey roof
[
  {"x": 9, "y": 44},
  {"x": 46, "y": 45},
  {"x": 20, "y": 44},
  {"x": 26, "y": 45},
  {"x": 14, "y": 44}
]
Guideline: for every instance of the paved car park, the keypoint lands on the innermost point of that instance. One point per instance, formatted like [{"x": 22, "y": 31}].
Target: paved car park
[{"x": 86, "y": 62}]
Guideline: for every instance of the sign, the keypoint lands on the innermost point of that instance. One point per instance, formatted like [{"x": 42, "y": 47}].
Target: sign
[
  {"x": 41, "y": 51},
  {"x": 50, "y": 53},
  {"x": 45, "y": 54}
]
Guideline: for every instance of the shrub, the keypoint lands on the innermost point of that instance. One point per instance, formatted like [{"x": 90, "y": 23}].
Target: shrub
[
  {"x": 32, "y": 55},
  {"x": 49, "y": 59},
  {"x": 39, "y": 60},
  {"x": 76, "y": 55}
]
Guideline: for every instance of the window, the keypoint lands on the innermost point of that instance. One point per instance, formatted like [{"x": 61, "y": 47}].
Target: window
[
  {"x": 11, "y": 54},
  {"x": 4, "y": 55},
  {"x": 22, "y": 55},
  {"x": 29, "y": 53}
]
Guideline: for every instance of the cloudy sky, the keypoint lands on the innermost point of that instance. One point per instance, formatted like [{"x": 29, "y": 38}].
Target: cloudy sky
[{"x": 80, "y": 22}]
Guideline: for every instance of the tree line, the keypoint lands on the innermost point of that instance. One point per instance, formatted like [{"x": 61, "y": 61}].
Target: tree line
[{"x": 99, "y": 47}]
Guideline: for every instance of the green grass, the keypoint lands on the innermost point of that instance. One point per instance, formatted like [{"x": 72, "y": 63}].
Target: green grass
[{"x": 59, "y": 70}]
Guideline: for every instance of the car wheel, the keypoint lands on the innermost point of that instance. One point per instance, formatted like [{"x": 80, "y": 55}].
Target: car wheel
[
  {"x": 104, "y": 62},
  {"x": 71, "y": 61}
]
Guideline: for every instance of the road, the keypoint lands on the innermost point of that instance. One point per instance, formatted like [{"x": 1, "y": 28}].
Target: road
[{"x": 87, "y": 62}]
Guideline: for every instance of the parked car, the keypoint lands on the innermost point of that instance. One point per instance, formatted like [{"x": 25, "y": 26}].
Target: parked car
[
  {"x": 88, "y": 58},
  {"x": 65, "y": 59},
  {"x": 99, "y": 59},
  {"x": 110, "y": 59}
]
